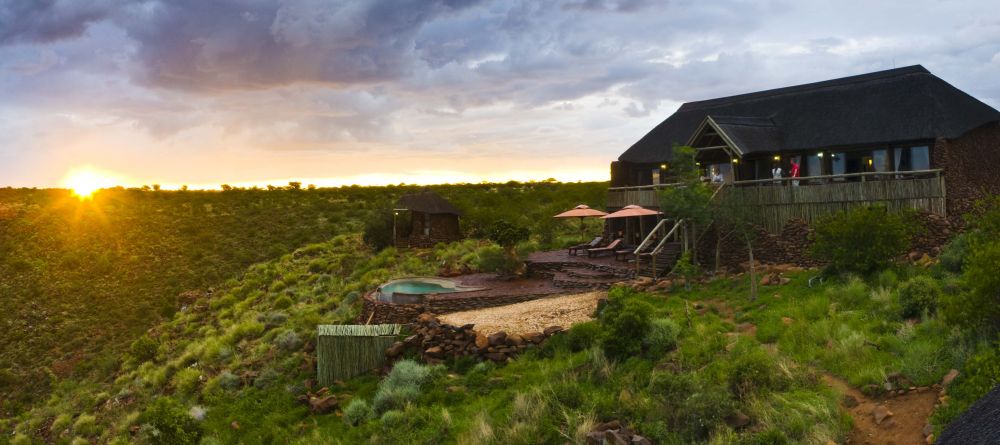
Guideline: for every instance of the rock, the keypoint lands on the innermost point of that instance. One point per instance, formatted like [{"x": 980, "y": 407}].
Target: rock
[
  {"x": 745, "y": 327},
  {"x": 534, "y": 337},
  {"x": 830, "y": 442},
  {"x": 496, "y": 356},
  {"x": 928, "y": 429},
  {"x": 737, "y": 420},
  {"x": 395, "y": 350},
  {"x": 616, "y": 437},
  {"x": 467, "y": 327},
  {"x": 610, "y": 425},
  {"x": 234, "y": 425},
  {"x": 482, "y": 341},
  {"x": 595, "y": 438},
  {"x": 787, "y": 320},
  {"x": 426, "y": 317},
  {"x": 515, "y": 340},
  {"x": 880, "y": 413},
  {"x": 849, "y": 401},
  {"x": 551, "y": 330},
  {"x": 949, "y": 377},
  {"x": 434, "y": 351},
  {"x": 784, "y": 280},
  {"x": 887, "y": 386},
  {"x": 639, "y": 440},
  {"x": 929, "y": 440},
  {"x": 322, "y": 405},
  {"x": 498, "y": 338}
]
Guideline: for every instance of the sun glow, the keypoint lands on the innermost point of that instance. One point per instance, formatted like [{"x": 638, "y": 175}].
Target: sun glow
[{"x": 86, "y": 181}]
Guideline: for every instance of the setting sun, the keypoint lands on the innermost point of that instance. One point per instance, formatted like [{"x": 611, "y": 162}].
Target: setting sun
[{"x": 84, "y": 182}]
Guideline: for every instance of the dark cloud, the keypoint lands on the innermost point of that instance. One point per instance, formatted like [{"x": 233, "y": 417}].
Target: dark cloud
[{"x": 43, "y": 21}]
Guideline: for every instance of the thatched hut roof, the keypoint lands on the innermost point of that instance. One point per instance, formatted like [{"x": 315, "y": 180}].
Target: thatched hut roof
[
  {"x": 977, "y": 426},
  {"x": 427, "y": 202},
  {"x": 903, "y": 104}
]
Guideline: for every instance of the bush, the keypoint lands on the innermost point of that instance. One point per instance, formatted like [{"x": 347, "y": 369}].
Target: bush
[
  {"x": 861, "y": 240},
  {"x": 168, "y": 423},
  {"x": 953, "y": 254},
  {"x": 918, "y": 295},
  {"x": 186, "y": 380},
  {"x": 402, "y": 385},
  {"x": 144, "y": 349},
  {"x": 751, "y": 371},
  {"x": 626, "y": 320},
  {"x": 283, "y": 302},
  {"x": 583, "y": 335},
  {"x": 378, "y": 230},
  {"x": 288, "y": 340},
  {"x": 356, "y": 412},
  {"x": 86, "y": 425},
  {"x": 661, "y": 337},
  {"x": 853, "y": 294}
]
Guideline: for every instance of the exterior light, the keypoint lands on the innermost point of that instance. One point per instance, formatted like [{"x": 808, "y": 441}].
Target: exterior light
[
  {"x": 663, "y": 166},
  {"x": 820, "y": 154},
  {"x": 777, "y": 157},
  {"x": 870, "y": 162},
  {"x": 698, "y": 164},
  {"x": 736, "y": 161}
]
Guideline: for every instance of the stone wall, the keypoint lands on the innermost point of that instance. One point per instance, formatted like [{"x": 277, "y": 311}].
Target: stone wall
[
  {"x": 791, "y": 246},
  {"x": 970, "y": 169}
]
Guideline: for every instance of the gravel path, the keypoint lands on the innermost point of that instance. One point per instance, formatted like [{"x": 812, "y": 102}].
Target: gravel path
[{"x": 530, "y": 316}]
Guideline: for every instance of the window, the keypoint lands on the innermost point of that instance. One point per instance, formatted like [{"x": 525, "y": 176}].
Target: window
[
  {"x": 814, "y": 165},
  {"x": 913, "y": 158},
  {"x": 427, "y": 224},
  {"x": 656, "y": 176},
  {"x": 879, "y": 161},
  {"x": 838, "y": 163}
]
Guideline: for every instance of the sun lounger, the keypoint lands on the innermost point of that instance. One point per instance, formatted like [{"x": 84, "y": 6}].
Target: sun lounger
[
  {"x": 610, "y": 248},
  {"x": 597, "y": 241}
]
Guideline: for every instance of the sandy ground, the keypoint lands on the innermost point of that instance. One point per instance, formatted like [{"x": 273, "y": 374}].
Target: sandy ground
[{"x": 530, "y": 316}]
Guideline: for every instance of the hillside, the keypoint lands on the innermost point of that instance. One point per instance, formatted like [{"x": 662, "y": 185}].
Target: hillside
[{"x": 79, "y": 281}]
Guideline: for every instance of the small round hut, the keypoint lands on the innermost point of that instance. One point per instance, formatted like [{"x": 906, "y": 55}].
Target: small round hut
[{"x": 432, "y": 220}]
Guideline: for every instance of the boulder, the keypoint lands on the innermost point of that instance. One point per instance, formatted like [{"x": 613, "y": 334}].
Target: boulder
[
  {"x": 533, "y": 337},
  {"x": 610, "y": 425},
  {"x": 849, "y": 401},
  {"x": 482, "y": 342},
  {"x": 639, "y": 440},
  {"x": 595, "y": 438},
  {"x": 395, "y": 350},
  {"x": 737, "y": 420},
  {"x": 949, "y": 377},
  {"x": 434, "y": 351},
  {"x": 880, "y": 413},
  {"x": 426, "y": 317},
  {"x": 515, "y": 340},
  {"x": 498, "y": 338},
  {"x": 552, "y": 330}
]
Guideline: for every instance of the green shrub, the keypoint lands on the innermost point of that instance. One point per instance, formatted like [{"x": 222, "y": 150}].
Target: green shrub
[
  {"x": 225, "y": 381},
  {"x": 357, "y": 411},
  {"x": 887, "y": 279},
  {"x": 186, "y": 380},
  {"x": 919, "y": 295},
  {"x": 767, "y": 437},
  {"x": 402, "y": 385},
  {"x": 288, "y": 340},
  {"x": 144, "y": 349},
  {"x": 378, "y": 229},
  {"x": 283, "y": 302},
  {"x": 661, "y": 337},
  {"x": 168, "y": 423},
  {"x": 60, "y": 423},
  {"x": 493, "y": 259},
  {"x": 626, "y": 321},
  {"x": 953, "y": 255},
  {"x": 581, "y": 336},
  {"x": 86, "y": 425},
  {"x": 851, "y": 295},
  {"x": 980, "y": 306},
  {"x": 861, "y": 240},
  {"x": 751, "y": 371}
]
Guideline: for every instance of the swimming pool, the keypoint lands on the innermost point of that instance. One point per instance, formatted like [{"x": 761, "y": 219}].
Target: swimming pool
[{"x": 413, "y": 289}]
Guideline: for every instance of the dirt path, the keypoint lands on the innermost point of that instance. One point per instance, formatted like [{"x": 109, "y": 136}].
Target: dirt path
[
  {"x": 905, "y": 425},
  {"x": 530, "y": 316}
]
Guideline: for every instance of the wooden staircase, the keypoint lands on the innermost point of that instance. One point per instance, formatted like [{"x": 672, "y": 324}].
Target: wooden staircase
[{"x": 661, "y": 263}]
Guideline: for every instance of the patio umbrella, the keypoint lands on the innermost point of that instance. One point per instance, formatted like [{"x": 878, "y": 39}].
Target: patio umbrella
[
  {"x": 630, "y": 211},
  {"x": 581, "y": 211}
]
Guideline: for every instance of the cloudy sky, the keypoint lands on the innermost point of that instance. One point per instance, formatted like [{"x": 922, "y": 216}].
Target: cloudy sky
[{"x": 328, "y": 92}]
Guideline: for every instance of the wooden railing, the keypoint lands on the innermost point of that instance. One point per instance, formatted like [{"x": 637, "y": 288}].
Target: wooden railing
[
  {"x": 643, "y": 195},
  {"x": 775, "y": 201}
]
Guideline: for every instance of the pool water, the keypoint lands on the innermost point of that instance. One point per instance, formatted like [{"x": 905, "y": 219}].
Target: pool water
[{"x": 412, "y": 290}]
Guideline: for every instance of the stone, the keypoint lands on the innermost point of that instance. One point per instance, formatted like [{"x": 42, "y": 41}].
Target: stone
[
  {"x": 395, "y": 350},
  {"x": 616, "y": 437},
  {"x": 787, "y": 320},
  {"x": 551, "y": 330},
  {"x": 496, "y": 356},
  {"x": 880, "y": 413},
  {"x": 849, "y": 401},
  {"x": 515, "y": 340},
  {"x": 639, "y": 440},
  {"x": 434, "y": 351},
  {"x": 323, "y": 405},
  {"x": 610, "y": 425},
  {"x": 928, "y": 429},
  {"x": 830, "y": 442},
  {"x": 737, "y": 420},
  {"x": 949, "y": 377},
  {"x": 533, "y": 337},
  {"x": 595, "y": 438},
  {"x": 482, "y": 342},
  {"x": 498, "y": 338},
  {"x": 929, "y": 440},
  {"x": 426, "y": 317}
]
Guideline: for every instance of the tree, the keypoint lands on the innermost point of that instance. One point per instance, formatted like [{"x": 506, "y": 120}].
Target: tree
[
  {"x": 861, "y": 240},
  {"x": 737, "y": 219},
  {"x": 378, "y": 230},
  {"x": 295, "y": 185},
  {"x": 691, "y": 199},
  {"x": 507, "y": 235},
  {"x": 227, "y": 188}
]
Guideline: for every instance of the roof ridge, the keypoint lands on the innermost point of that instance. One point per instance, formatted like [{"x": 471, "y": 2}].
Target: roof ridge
[{"x": 801, "y": 88}]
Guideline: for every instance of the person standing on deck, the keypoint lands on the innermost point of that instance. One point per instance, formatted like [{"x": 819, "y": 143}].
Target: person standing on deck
[{"x": 795, "y": 171}]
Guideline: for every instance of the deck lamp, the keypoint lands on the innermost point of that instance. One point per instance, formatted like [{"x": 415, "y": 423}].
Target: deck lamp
[
  {"x": 663, "y": 166},
  {"x": 736, "y": 161},
  {"x": 777, "y": 157},
  {"x": 820, "y": 154}
]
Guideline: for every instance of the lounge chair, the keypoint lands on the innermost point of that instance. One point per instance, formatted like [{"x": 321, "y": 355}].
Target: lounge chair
[
  {"x": 623, "y": 252},
  {"x": 596, "y": 242},
  {"x": 610, "y": 248}
]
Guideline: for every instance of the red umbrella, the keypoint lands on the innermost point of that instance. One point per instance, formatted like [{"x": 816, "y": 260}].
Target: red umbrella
[
  {"x": 581, "y": 211},
  {"x": 632, "y": 211}
]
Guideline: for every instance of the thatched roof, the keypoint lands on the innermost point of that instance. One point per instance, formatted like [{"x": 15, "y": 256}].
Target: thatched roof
[
  {"x": 427, "y": 202},
  {"x": 903, "y": 104},
  {"x": 977, "y": 426}
]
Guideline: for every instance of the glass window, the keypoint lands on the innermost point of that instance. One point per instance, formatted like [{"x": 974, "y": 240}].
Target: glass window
[
  {"x": 920, "y": 158},
  {"x": 838, "y": 163},
  {"x": 814, "y": 165},
  {"x": 879, "y": 161},
  {"x": 656, "y": 176}
]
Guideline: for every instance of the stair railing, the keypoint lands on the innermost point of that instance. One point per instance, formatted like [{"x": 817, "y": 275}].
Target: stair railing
[
  {"x": 649, "y": 237},
  {"x": 659, "y": 246}
]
